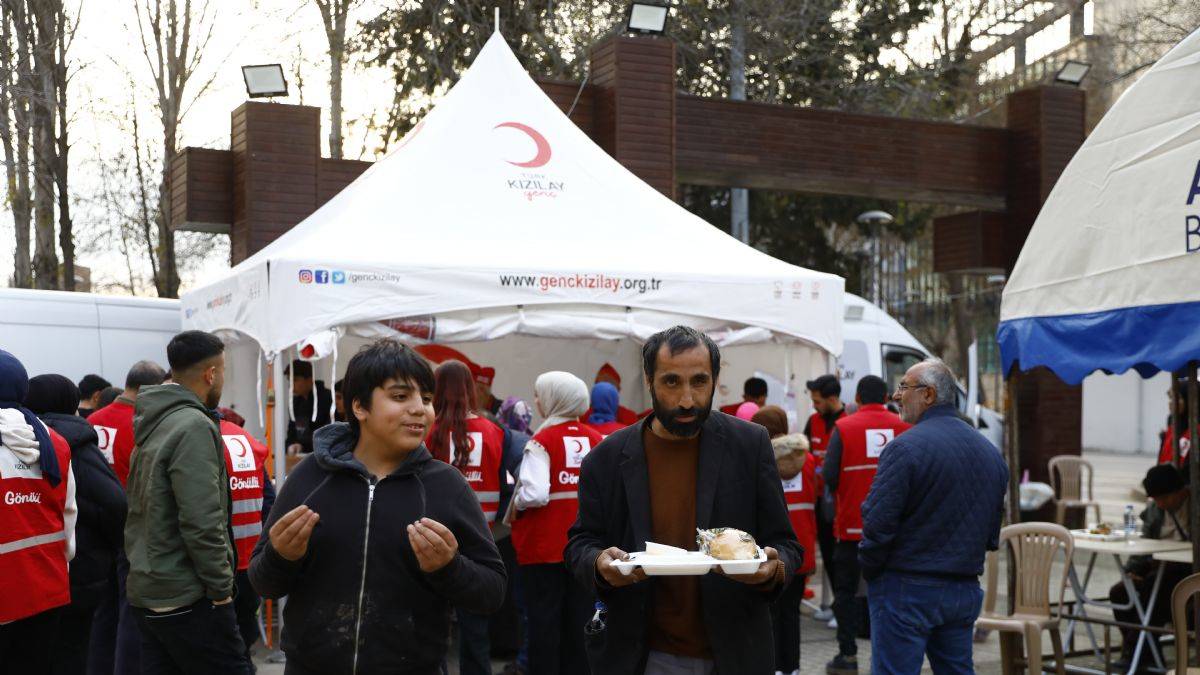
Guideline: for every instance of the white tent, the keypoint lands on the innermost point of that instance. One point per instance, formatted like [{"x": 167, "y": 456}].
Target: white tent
[
  {"x": 1107, "y": 279},
  {"x": 496, "y": 217}
]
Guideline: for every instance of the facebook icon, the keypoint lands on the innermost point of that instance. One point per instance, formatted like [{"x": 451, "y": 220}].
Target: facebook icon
[{"x": 322, "y": 276}]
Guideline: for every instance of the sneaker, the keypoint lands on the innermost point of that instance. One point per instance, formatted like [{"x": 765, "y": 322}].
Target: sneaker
[
  {"x": 842, "y": 665},
  {"x": 823, "y": 614},
  {"x": 832, "y": 625}
]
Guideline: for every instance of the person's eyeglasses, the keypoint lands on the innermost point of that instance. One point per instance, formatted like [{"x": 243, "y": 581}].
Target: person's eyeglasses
[{"x": 905, "y": 387}]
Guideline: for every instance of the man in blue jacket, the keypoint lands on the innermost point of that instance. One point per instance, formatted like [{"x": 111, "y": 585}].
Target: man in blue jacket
[{"x": 933, "y": 512}]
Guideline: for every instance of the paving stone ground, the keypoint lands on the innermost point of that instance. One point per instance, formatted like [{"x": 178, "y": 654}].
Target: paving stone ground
[{"x": 1117, "y": 476}]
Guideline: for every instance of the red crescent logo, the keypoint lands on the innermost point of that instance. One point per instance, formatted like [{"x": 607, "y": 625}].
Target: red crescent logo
[
  {"x": 883, "y": 439},
  {"x": 470, "y": 442},
  {"x": 242, "y": 446},
  {"x": 543, "y": 146},
  {"x": 578, "y": 446}
]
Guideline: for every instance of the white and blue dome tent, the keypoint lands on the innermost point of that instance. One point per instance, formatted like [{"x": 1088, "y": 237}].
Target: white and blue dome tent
[{"x": 1108, "y": 279}]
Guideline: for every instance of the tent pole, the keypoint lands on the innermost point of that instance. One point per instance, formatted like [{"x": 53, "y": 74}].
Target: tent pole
[
  {"x": 1193, "y": 465},
  {"x": 279, "y": 421},
  {"x": 1012, "y": 449},
  {"x": 1174, "y": 419}
]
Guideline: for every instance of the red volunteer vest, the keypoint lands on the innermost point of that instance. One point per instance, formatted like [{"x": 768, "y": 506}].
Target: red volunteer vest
[
  {"x": 244, "y": 458},
  {"x": 864, "y": 435},
  {"x": 539, "y": 535},
  {"x": 33, "y": 560},
  {"x": 483, "y": 467},
  {"x": 114, "y": 428},
  {"x": 818, "y": 436},
  {"x": 1166, "y": 454},
  {"x": 800, "y": 493}
]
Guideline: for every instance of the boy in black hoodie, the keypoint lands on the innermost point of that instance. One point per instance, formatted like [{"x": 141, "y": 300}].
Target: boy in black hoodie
[{"x": 373, "y": 541}]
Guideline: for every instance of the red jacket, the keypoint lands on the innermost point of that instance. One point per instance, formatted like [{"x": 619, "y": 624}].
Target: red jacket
[
  {"x": 1166, "y": 454},
  {"x": 800, "y": 493},
  {"x": 244, "y": 460},
  {"x": 483, "y": 466},
  {"x": 33, "y": 535},
  {"x": 864, "y": 435},
  {"x": 606, "y": 428},
  {"x": 114, "y": 428},
  {"x": 539, "y": 534}
]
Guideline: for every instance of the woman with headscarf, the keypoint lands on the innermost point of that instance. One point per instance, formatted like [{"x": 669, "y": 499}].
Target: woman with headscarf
[
  {"x": 606, "y": 402},
  {"x": 473, "y": 445},
  {"x": 545, "y": 505},
  {"x": 746, "y": 410},
  {"x": 798, "y": 471},
  {"x": 37, "y": 524},
  {"x": 99, "y": 529}
]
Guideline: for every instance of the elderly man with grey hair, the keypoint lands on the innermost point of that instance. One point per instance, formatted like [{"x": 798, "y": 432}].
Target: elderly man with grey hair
[{"x": 933, "y": 512}]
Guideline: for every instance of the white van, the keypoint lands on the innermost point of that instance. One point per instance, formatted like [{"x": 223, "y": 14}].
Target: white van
[
  {"x": 74, "y": 334},
  {"x": 876, "y": 344}
]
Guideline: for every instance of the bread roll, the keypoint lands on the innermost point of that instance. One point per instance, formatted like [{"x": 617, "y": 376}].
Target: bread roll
[{"x": 726, "y": 543}]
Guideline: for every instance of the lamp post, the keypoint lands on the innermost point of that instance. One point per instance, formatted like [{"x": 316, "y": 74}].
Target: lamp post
[{"x": 874, "y": 221}]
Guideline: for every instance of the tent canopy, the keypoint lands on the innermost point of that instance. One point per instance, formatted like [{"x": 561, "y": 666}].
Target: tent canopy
[
  {"x": 1107, "y": 279},
  {"x": 495, "y": 216}
]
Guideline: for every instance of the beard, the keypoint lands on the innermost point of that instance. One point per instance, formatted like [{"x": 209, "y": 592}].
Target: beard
[
  {"x": 669, "y": 417},
  {"x": 213, "y": 399}
]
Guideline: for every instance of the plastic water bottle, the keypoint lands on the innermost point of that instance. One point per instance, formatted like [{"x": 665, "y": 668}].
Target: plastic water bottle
[
  {"x": 1130, "y": 524},
  {"x": 597, "y": 624}
]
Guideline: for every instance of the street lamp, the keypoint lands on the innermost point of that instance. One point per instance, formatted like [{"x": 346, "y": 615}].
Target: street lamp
[
  {"x": 1072, "y": 72},
  {"x": 649, "y": 18},
  {"x": 265, "y": 80},
  {"x": 875, "y": 221}
]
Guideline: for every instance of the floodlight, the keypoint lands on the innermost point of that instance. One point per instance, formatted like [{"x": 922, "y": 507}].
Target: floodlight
[
  {"x": 265, "y": 80},
  {"x": 1073, "y": 72},
  {"x": 647, "y": 17}
]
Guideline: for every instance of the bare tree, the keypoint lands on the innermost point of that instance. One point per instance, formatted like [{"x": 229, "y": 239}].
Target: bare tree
[
  {"x": 33, "y": 87},
  {"x": 15, "y": 115},
  {"x": 173, "y": 56},
  {"x": 333, "y": 16}
]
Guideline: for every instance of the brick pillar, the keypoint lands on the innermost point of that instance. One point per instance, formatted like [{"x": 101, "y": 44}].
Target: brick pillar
[
  {"x": 276, "y": 154},
  {"x": 634, "y": 80},
  {"x": 1047, "y": 127}
]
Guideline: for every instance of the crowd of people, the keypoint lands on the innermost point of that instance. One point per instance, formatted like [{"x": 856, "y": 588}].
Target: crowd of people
[{"x": 141, "y": 534}]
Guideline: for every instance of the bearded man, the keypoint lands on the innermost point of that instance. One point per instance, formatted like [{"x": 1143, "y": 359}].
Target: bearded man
[{"x": 683, "y": 467}]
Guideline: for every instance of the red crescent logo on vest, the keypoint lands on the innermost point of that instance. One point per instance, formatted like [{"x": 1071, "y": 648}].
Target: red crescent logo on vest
[
  {"x": 543, "y": 146},
  {"x": 470, "y": 442},
  {"x": 578, "y": 445},
  {"x": 883, "y": 439}
]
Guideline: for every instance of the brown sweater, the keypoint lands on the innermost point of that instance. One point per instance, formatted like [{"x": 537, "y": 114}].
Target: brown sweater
[{"x": 676, "y": 625}]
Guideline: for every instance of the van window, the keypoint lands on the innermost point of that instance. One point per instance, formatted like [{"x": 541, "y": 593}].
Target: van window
[{"x": 896, "y": 361}]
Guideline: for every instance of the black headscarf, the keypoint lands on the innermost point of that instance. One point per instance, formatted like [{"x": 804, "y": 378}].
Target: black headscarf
[
  {"x": 52, "y": 394},
  {"x": 14, "y": 385}
]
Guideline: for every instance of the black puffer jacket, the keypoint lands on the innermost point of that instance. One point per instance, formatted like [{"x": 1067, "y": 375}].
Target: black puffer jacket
[
  {"x": 360, "y": 577},
  {"x": 99, "y": 531}
]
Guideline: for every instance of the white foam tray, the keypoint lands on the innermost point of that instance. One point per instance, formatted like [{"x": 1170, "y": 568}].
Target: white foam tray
[{"x": 690, "y": 563}]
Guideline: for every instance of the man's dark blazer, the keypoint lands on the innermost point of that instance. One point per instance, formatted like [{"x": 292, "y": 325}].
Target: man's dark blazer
[{"x": 737, "y": 485}]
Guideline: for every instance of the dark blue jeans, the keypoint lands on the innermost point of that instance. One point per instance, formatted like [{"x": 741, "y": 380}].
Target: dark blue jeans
[
  {"x": 474, "y": 653},
  {"x": 915, "y": 616}
]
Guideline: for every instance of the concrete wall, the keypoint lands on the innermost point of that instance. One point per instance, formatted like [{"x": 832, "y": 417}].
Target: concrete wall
[{"x": 1124, "y": 413}]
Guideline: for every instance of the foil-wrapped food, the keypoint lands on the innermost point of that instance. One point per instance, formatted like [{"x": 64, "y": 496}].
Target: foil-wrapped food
[{"x": 726, "y": 543}]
